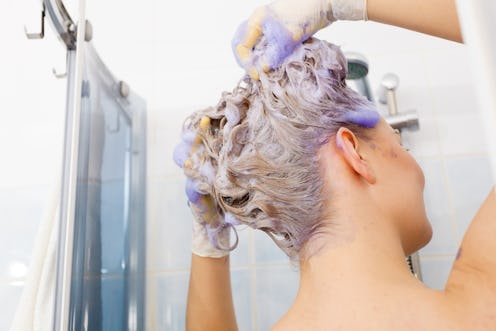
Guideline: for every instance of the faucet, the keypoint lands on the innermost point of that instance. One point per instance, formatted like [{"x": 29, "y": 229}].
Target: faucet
[
  {"x": 387, "y": 96},
  {"x": 358, "y": 68}
]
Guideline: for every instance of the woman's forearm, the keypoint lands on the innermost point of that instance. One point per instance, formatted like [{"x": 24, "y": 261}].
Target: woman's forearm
[
  {"x": 434, "y": 17},
  {"x": 210, "y": 305}
]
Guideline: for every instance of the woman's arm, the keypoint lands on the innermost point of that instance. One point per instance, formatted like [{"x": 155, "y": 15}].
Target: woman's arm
[
  {"x": 286, "y": 23},
  {"x": 473, "y": 278},
  {"x": 434, "y": 17},
  {"x": 210, "y": 305}
]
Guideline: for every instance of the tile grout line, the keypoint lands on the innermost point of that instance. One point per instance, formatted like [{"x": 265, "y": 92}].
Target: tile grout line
[{"x": 253, "y": 282}]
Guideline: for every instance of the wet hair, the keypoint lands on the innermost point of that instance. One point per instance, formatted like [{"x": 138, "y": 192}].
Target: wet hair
[{"x": 255, "y": 154}]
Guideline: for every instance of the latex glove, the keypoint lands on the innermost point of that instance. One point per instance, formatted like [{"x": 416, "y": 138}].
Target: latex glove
[
  {"x": 211, "y": 231},
  {"x": 283, "y": 25},
  {"x": 211, "y": 234}
]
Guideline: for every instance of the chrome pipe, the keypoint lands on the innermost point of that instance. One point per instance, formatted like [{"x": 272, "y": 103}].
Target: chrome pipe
[{"x": 404, "y": 120}]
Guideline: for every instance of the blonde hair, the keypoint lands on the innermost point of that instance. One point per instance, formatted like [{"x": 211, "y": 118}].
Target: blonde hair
[{"x": 255, "y": 153}]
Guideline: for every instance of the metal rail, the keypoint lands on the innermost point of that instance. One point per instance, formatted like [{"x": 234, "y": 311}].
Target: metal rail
[{"x": 75, "y": 61}]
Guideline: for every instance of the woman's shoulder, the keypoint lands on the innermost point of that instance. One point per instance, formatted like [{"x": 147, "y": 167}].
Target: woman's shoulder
[
  {"x": 418, "y": 308},
  {"x": 470, "y": 306},
  {"x": 412, "y": 309}
]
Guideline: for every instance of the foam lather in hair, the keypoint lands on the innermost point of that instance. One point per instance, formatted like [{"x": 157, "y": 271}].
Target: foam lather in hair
[{"x": 253, "y": 158}]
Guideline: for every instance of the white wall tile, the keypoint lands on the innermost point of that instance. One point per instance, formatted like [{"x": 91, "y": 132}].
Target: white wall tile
[
  {"x": 435, "y": 271},
  {"x": 160, "y": 162},
  {"x": 461, "y": 134},
  {"x": 458, "y": 120},
  {"x": 275, "y": 290},
  {"x": 242, "y": 298},
  {"x": 470, "y": 182},
  {"x": 425, "y": 141},
  {"x": 266, "y": 251},
  {"x": 448, "y": 67},
  {"x": 240, "y": 257},
  {"x": 410, "y": 69},
  {"x": 438, "y": 208},
  {"x": 170, "y": 302},
  {"x": 169, "y": 225}
]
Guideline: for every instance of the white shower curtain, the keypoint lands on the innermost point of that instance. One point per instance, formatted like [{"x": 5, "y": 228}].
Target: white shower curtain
[{"x": 35, "y": 309}]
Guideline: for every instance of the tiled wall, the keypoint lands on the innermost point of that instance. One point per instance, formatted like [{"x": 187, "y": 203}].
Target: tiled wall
[{"x": 180, "y": 60}]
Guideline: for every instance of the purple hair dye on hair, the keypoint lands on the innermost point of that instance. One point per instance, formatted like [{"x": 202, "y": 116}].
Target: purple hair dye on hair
[
  {"x": 280, "y": 42},
  {"x": 264, "y": 170},
  {"x": 367, "y": 118},
  {"x": 181, "y": 153},
  {"x": 189, "y": 137},
  {"x": 191, "y": 192}
]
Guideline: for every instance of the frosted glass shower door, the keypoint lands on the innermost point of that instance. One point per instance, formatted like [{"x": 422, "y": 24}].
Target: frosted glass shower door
[{"x": 107, "y": 281}]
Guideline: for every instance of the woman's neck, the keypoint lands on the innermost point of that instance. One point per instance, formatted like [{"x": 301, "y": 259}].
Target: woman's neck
[{"x": 368, "y": 264}]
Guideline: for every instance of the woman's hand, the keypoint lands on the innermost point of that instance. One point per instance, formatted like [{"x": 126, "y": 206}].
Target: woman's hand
[
  {"x": 204, "y": 240},
  {"x": 284, "y": 24},
  {"x": 211, "y": 231}
]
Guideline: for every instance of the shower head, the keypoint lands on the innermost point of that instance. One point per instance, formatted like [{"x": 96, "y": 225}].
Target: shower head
[{"x": 358, "y": 68}]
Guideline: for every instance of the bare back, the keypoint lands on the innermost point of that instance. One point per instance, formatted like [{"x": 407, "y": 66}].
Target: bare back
[
  {"x": 467, "y": 303},
  {"x": 415, "y": 308}
]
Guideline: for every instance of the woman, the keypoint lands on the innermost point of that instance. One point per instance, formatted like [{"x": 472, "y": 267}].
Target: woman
[{"x": 351, "y": 244}]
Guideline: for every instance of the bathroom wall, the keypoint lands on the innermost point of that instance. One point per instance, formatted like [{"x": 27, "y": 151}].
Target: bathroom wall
[{"x": 177, "y": 55}]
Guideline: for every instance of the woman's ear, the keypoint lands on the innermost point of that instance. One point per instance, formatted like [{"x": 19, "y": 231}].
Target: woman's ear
[{"x": 348, "y": 145}]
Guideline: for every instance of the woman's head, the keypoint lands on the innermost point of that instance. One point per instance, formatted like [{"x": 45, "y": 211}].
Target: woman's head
[
  {"x": 256, "y": 155},
  {"x": 380, "y": 181}
]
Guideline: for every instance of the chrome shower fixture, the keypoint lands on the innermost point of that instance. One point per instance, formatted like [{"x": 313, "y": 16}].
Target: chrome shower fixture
[
  {"x": 387, "y": 96},
  {"x": 358, "y": 68}
]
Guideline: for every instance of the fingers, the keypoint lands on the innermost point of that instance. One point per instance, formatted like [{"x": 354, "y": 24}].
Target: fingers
[
  {"x": 251, "y": 35},
  {"x": 246, "y": 37},
  {"x": 242, "y": 44},
  {"x": 280, "y": 42}
]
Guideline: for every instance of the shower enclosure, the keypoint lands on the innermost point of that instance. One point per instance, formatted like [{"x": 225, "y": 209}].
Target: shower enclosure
[{"x": 100, "y": 282}]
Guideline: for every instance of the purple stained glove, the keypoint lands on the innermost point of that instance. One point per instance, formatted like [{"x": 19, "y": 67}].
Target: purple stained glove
[{"x": 282, "y": 25}]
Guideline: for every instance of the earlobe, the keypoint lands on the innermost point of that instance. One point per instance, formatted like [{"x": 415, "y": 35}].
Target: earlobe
[{"x": 349, "y": 146}]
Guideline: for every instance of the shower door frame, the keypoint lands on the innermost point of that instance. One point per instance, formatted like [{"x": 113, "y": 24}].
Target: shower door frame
[{"x": 135, "y": 297}]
